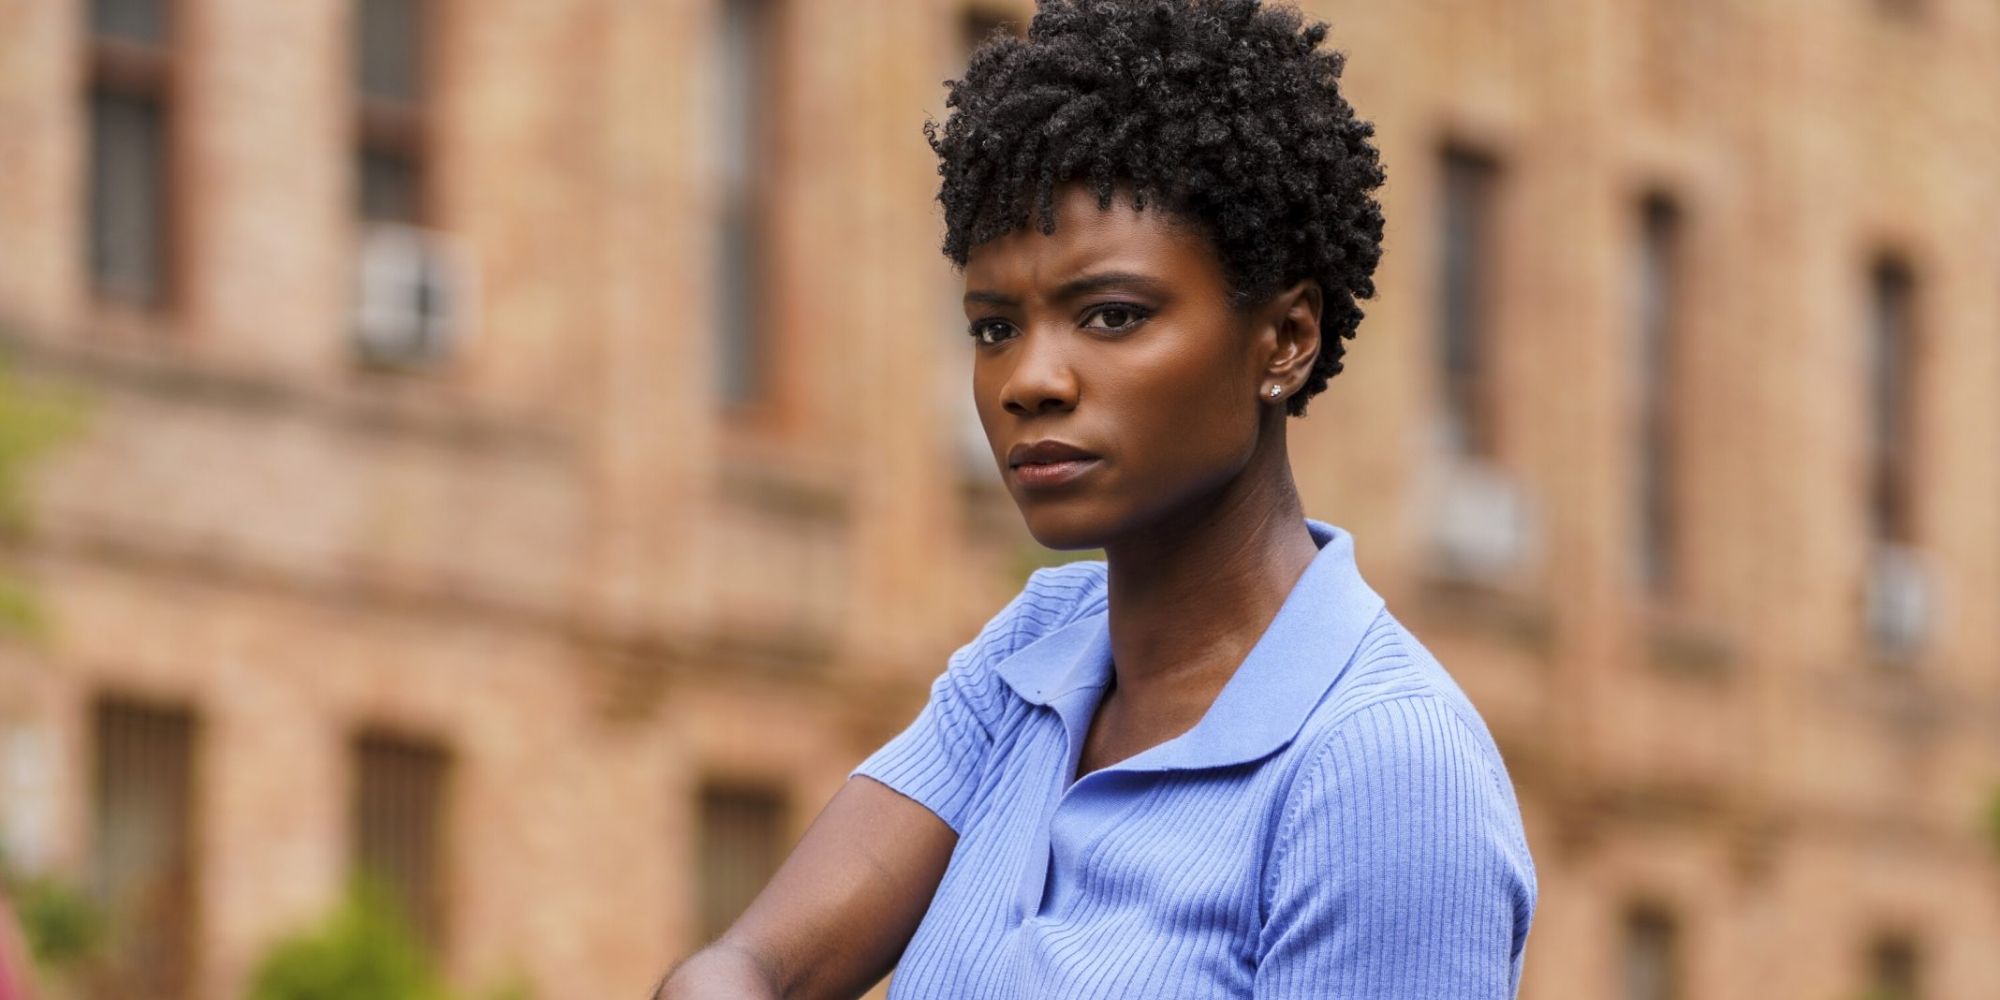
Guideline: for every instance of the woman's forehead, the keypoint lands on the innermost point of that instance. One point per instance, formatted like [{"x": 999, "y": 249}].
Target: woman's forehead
[{"x": 1088, "y": 238}]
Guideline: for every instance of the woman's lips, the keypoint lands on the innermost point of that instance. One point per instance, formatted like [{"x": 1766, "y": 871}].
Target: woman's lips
[{"x": 1048, "y": 475}]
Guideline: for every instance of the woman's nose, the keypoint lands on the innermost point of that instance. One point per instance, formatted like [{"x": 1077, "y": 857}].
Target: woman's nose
[{"x": 1042, "y": 379}]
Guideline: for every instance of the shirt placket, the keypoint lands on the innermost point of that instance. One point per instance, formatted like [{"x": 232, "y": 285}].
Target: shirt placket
[{"x": 1074, "y": 710}]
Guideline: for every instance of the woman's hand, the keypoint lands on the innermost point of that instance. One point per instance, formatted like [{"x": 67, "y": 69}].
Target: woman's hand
[{"x": 837, "y": 915}]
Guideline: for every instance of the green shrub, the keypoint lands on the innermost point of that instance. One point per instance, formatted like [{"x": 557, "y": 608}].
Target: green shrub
[
  {"x": 364, "y": 951},
  {"x": 1992, "y": 818},
  {"x": 62, "y": 926},
  {"x": 34, "y": 419}
]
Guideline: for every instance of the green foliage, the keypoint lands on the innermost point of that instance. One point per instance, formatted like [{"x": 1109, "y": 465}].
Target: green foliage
[
  {"x": 1992, "y": 819},
  {"x": 32, "y": 420},
  {"x": 20, "y": 610},
  {"x": 364, "y": 951},
  {"x": 62, "y": 926}
]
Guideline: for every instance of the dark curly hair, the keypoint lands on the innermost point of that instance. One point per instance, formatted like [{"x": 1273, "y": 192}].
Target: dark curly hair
[{"x": 1224, "y": 112}]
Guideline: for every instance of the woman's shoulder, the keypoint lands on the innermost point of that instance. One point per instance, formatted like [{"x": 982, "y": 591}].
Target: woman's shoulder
[
  {"x": 1400, "y": 799},
  {"x": 1396, "y": 735},
  {"x": 1396, "y": 701},
  {"x": 1052, "y": 597}
]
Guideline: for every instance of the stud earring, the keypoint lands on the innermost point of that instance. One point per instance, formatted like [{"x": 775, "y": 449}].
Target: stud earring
[{"x": 1274, "y": 392}]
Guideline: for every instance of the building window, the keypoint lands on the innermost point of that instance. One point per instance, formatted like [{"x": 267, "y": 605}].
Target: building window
[
  {"x": 416, "y": 289},
  {"x": 1892, "y": 373},
  {"x": 742, "y": 840},
  {"x": 1894, "y": 970},
  {"x": 978, "y": 23},
  {"x": 1651, "y": 963},
  {"x": 1465, "y": 301},
  {"x": 143, "y": 846},
  {"x": 390, "y": 40},
  {"x": 129, "y": 106},
  {"x": 748, "y": 90},
  {"x": 1899, "y": 593},
  {"x": 1657, "y": 323},
  {"x": 399, "y": 826}
]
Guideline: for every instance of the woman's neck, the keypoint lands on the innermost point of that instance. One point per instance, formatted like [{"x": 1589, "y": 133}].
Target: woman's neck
[{"x": 1191, "y": 595}]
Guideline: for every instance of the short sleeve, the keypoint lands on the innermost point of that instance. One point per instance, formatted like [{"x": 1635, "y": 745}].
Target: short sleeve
[
  {"x": 941, "y": 758},
  {"x": 1400, "y": 871}
]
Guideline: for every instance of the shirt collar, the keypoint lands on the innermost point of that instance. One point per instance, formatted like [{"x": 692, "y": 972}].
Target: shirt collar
[{"x": 1295, "y": 662}]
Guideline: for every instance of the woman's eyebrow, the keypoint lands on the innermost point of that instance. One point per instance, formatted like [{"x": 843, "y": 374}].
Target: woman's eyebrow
[{"x": 1075, "y": 287}]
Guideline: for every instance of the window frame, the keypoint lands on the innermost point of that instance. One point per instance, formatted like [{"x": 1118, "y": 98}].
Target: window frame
[
  {"x": 426, "y": 907},
  {"x": 399, "y": 128},
  {"x": 1895, "y": 966},
  {"x": 1894, "y": 332},
  {"x": 150, "y": 743},
  {"x": 1652, "y": 917},
  {"x": 145, "y": 71},
  {"x": 749, "y": 380},
  {"x": 1659, "y": 355},
  {"x": 714, "y": 910},
  {"x": 1466, "y": 299}
]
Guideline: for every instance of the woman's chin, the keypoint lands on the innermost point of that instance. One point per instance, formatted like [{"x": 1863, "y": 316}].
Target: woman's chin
[{"x": 1064, "y": 530}]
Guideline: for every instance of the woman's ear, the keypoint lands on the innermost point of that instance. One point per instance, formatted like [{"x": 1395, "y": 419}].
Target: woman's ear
[{"x": 1292, "y": 319}]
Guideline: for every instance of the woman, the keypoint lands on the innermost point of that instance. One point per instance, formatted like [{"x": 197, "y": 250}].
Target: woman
[{"x": 1211, "y": 765}]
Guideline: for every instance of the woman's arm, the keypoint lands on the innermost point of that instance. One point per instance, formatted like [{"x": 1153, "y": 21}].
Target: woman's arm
[{"x": 838, "y": 913}]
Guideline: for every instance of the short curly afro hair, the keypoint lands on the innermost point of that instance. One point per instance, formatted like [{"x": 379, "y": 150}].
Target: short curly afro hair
[{"x": 1224, "y": 112}]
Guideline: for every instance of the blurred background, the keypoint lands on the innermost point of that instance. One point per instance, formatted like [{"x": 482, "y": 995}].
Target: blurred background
[{"x": 474, "y": 476}]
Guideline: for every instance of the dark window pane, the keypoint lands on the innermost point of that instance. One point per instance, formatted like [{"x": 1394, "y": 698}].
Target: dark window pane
[
  {"x": 1651, "y": 962},
  {"x": 389, "y": 187},
  {"x": 980, "y": 23},
  {"x": 744, "y": 119},
  {"x": 388, "y": 49},
  {"x": 741, "y": 319},
  {"x": 399, "y": 826},
  {"x": 742, "y": 841},
  {"x": 127, "y": 197},
  {"x": 1895, "y": 970},
  {"x": 1464, "y": 280},
  {"x": 143, "y": 845},
  {"x": 1656, "y": 321},
  {"x": 132, "y": 20},
  {"x": 1891, "y": 343},
  {"x": 745, "y": 59}
]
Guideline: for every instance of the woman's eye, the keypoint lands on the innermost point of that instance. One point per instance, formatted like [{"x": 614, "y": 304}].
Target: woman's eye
[
  {"x": 1115, "y": 318},
  {"x": 988, "y": 332}
]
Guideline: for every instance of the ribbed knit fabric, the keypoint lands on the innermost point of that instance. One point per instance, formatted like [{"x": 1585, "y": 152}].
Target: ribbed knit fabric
[{"x": 1339, "y": 823}]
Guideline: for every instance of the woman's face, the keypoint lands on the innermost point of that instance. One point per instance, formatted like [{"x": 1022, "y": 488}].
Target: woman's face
[{"x": 1114, "y": 335}]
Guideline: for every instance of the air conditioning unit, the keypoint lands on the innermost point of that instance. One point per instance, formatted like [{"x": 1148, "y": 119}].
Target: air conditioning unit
[
  {"x": 1898, "y": 600},
  {"x": 1481, "y": 529},
  {"x": 414, "y": 296},
  {"x": 31, "y": 819}
]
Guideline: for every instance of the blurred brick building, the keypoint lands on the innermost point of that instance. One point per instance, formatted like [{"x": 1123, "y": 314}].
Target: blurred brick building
[{"x": 527, "y": 457}]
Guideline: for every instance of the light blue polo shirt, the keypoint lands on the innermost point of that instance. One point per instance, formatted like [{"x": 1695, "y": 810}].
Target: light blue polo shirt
[{"x": 1339, "y": 823}]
